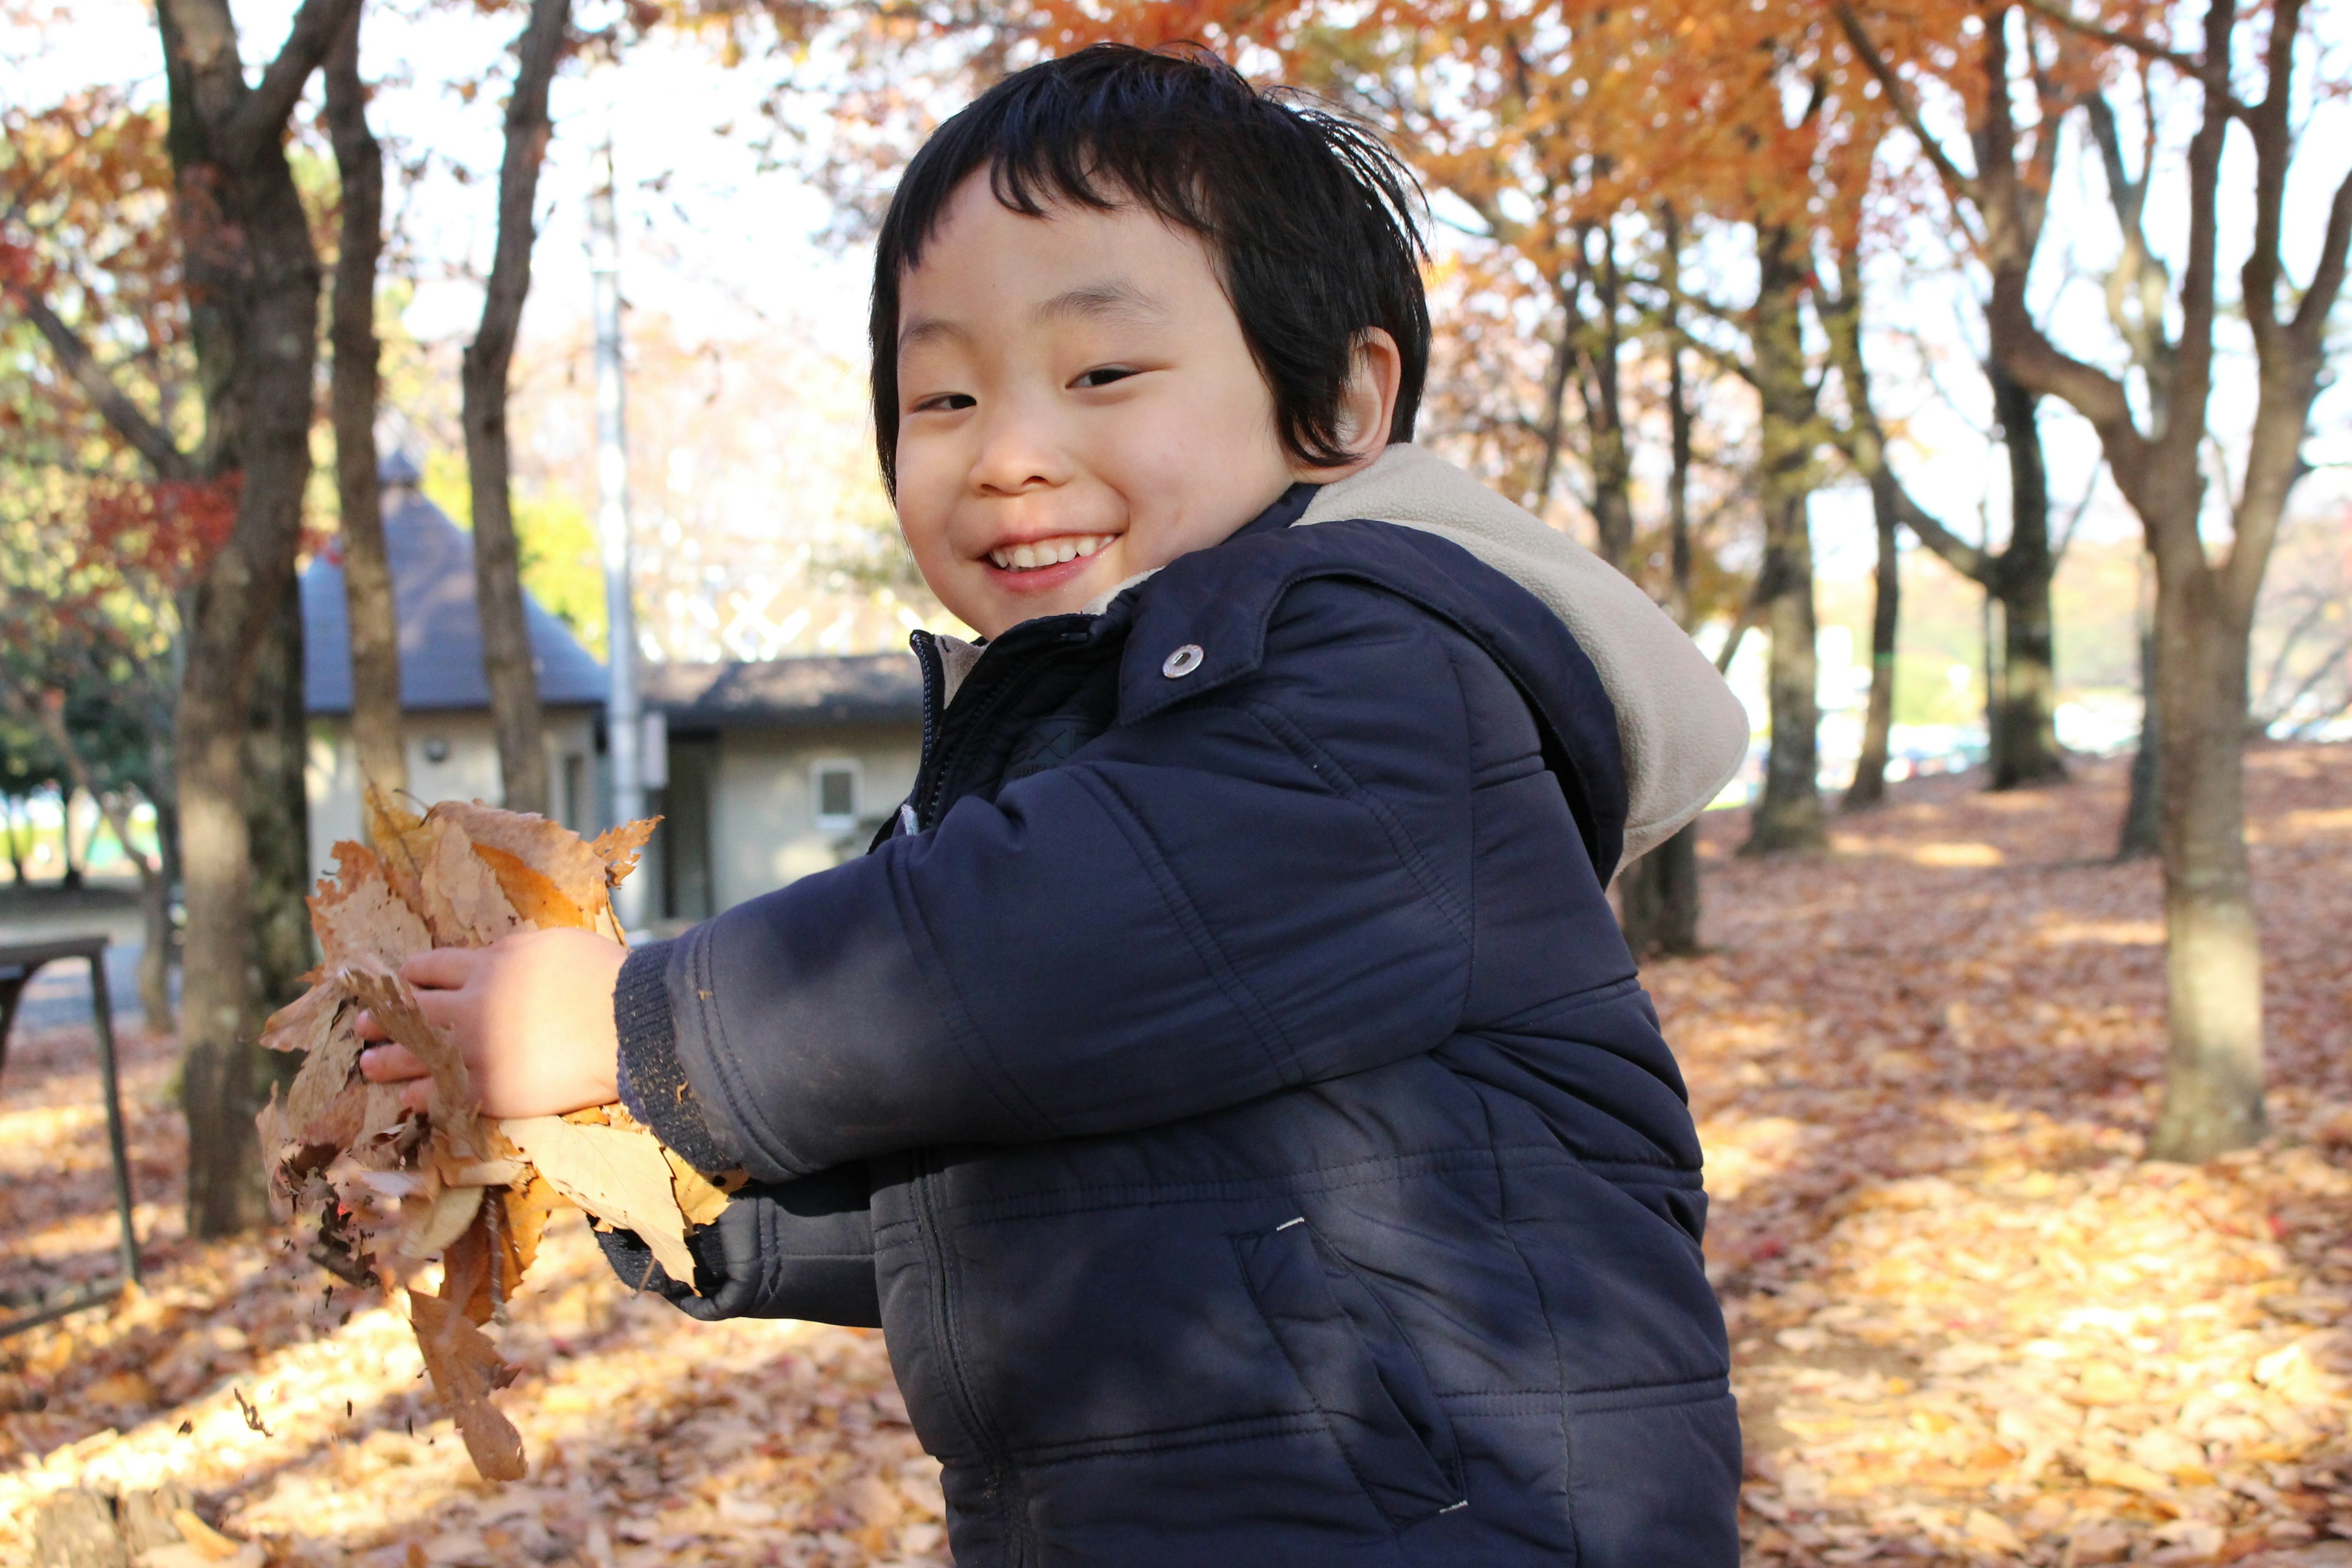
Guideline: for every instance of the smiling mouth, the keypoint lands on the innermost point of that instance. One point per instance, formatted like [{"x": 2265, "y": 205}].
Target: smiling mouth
[{"x": 1041, "y": 552}]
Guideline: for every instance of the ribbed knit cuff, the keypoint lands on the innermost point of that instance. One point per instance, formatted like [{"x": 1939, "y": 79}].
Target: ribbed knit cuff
[{"x": 652, "y": 1079}]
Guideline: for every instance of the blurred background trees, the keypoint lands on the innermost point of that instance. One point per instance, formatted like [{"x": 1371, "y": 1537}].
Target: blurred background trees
[{"x": 1752, "y": 298}]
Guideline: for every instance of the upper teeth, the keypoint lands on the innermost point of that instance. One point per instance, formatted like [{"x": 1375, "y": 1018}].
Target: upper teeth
[{"x": 1048, "y": 552}]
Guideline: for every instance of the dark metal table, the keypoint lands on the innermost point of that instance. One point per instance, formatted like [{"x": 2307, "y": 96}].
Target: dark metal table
[{"x": 18, "y": 963}]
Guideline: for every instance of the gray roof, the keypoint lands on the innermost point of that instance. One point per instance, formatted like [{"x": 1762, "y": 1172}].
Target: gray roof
[
  {"x": 782, "y": 693},
  {"x": 440, "y": 632}
]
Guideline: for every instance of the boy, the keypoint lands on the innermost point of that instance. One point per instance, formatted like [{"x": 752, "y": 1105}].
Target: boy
[{"x": 1224, "y": 1081}]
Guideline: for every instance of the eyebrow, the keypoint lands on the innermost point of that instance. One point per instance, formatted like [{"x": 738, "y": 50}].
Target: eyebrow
[
  {"x": 924, "y": 329},
  {"x": 1114, "y": 300}
]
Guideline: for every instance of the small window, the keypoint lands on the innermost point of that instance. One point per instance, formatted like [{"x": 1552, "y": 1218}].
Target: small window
[{"x": 836, "y": 787}]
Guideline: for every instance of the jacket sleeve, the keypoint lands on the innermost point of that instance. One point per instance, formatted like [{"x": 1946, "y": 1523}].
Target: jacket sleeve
[
  {"x": 1264, "y": 887},
  {"x": 783, "y": 1249}
]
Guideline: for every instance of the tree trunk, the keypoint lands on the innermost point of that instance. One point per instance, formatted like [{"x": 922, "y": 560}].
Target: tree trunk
[
  {"x": 505, "y": 637},
  {"x": 1661, "y": 894},
  {"x": 1789, "y": 817},
  {"x": 2020, "y": 724},
  {"x": 367, "y": 573},
  {"x": 254, "y": 283},
  {"x": 2142, "y": 832},
  {"x": 72, "y": 879},
  {"x": 1612, "y": 459},
  {"x": 277, "y": 811},
  {"x": 155, "y": 950},
  {"x": 1869, "y": 786},
  {"x": 2213, "y": 1063}
]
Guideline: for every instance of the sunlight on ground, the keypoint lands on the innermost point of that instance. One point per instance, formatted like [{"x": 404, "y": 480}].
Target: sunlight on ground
[
  {"x": 651, "y": 1439},
  {"x": 1971, "y": 1325}
]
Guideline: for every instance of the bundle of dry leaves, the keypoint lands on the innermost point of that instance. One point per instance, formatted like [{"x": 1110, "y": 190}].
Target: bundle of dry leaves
[{"x": 395, "y": 1190}]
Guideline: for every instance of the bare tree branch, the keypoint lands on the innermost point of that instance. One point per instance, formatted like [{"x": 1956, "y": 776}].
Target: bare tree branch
[
  {"x": 1961, "y": 185},
  {"x": 264, "y": 109},
  {"x": 2147, "y": 48},
  {"x": 1971, "y": 561},
  {"x": 2327, "y": 279},
  {"x": 149, "y": 439}
]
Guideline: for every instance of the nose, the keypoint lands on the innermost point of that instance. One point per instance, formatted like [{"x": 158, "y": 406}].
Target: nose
[{"x": 1020, "y": 450}]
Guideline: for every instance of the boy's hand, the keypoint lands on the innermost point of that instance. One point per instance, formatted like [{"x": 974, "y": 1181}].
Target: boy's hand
[{"x": 532, "y": 1014}]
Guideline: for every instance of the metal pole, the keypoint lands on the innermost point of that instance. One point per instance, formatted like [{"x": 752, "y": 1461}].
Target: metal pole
[
  {"x": 623, "y": 729},
  {"x": 102, "y": 1012}
]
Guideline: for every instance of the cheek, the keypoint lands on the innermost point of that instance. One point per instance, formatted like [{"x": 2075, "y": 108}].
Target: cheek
[{"x": 922, "y": 503}]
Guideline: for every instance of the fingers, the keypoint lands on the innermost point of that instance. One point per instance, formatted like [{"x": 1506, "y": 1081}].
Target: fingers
[
  {"x": 417, "y": 1096},
  {"x": 442, "y": 968},
  {"x": 440, "y": 1009},
  {"x": 390, "y": 1064}
]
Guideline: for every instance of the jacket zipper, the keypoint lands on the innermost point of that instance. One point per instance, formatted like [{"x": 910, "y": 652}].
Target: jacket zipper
[
  {"x": 947, "y": 1331},
  {"x": 975, "y": 719},
  {"x": 937, "y": 749}
]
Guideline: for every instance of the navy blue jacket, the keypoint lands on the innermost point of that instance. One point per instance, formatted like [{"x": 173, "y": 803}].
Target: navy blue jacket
[{"x": 1226, "y": 1087}]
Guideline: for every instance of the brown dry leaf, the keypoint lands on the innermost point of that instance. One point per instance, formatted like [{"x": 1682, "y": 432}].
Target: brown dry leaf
[
  {"x": 323, "y": 1086},
  {"x": 618, "y": 848},
  {"x": 700, "y": 1198},
  {"x": 359, "y": 914},
  {"x": 536, "y": 899},
  {"x": 477, "y": 1269},
  {"x": 303, "y": 1024},
  {"x": 394, "y": 829},
  {"x": 379, "y": 1107},
  {"x": 526, "y": 1208},
  {"x": 464, "y": 905},
  {"x": 576, "y": 869},
  {"x": 620, "y": 1175},
  {"x": 465, "y": 1367},
  {"x": 393, "y": 1004},
  {"x": 431, "y": 1222}
]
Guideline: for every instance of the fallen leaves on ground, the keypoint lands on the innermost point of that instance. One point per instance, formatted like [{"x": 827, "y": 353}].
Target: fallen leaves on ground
[
  {"x": 652, "y": 1439},
  {"x": 1971, "y": 1325}
]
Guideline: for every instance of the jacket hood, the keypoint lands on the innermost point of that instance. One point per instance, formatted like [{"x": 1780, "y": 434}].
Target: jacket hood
[{"x": 1682, "y": 734}]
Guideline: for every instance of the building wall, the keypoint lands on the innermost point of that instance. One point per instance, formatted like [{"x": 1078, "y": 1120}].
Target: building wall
[
  {"x": 467, "y": 770},
  {"x": 763, "y": 805}
]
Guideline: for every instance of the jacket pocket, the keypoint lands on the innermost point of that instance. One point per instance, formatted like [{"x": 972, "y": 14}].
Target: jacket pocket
[{"x": 1357, "y": 1366}]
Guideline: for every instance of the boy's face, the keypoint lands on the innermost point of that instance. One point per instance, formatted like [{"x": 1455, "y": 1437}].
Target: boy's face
[{"x": 1076, "y": 405}]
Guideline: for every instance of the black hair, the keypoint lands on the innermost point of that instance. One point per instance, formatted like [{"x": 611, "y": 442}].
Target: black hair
[{"x": 1308, "y": 213}]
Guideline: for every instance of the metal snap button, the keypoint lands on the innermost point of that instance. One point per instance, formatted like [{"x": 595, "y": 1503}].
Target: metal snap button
[{"x": 1183, "y": 662}]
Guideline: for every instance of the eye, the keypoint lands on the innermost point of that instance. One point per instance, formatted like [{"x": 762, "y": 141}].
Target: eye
[
  {"x": 1103, "y": 375},
  {"x": 946, "y": 403}
]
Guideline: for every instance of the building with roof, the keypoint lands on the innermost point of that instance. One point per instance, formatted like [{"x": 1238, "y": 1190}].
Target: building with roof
[
  {"x": 762, "y": 770},
  {"x": 777, "y": 768}
]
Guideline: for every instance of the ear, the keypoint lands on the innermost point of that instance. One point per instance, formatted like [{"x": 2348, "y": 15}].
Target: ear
[{"x": 1368, "y": 407}]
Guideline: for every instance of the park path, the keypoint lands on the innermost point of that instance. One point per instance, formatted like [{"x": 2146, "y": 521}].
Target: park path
[{"x": 1970, "y": 1325}]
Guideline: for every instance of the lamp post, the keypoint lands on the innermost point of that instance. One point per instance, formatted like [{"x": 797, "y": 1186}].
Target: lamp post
[{"x": 623, "y": 726}]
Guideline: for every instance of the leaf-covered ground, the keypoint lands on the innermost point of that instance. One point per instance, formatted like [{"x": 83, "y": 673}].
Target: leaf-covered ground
[
  {"x": 1969, "y": 1322},
  {"x": 1971, "y": 1325}
]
